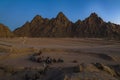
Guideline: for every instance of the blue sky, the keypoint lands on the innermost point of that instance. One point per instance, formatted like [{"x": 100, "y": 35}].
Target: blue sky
[{"x": 14, "y": 13}]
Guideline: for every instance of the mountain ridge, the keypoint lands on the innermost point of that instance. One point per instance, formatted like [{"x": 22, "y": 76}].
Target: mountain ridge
[{"x": 60, "y": 26}]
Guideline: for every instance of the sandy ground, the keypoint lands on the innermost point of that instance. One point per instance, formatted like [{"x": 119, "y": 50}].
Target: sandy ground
[{"x": 87, "y": 50}]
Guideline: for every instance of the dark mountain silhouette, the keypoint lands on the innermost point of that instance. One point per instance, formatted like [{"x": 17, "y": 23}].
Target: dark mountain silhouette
[
  {"x": 61, "y": 26},
  {"x": 5, "y": 31}
]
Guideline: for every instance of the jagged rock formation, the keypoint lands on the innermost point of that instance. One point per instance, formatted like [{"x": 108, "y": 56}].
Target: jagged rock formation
[
  {"x": 5, "y": 31},
  {"x": 94, "y": 26},
  {"x": 61, "y": 26},
  {"x": 40, "y": 27}
]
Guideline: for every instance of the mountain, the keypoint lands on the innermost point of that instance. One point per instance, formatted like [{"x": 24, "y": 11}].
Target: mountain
[
  {"x": 61, "y": 26},
  {"x": 90, "y": 27},
  {"x": 94, "y": 26},
  {"x": 43, "y": 27},
  {"x": 5, "y": 31}
]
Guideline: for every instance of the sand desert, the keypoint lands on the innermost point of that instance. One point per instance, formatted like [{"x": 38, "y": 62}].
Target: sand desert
[{"x": 82, "y": 59}]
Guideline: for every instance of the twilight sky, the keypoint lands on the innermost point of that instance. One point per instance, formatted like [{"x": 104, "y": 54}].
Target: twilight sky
[{"x": 14, "y": 13}]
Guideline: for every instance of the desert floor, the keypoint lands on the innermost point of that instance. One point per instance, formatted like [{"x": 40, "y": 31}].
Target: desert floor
[
  {"x": 83, "y": 59},
  {"x": 16, "y": 51}
]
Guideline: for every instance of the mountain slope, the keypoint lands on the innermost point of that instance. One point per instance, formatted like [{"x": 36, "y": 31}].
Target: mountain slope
[{"x": 5, "y": 31}]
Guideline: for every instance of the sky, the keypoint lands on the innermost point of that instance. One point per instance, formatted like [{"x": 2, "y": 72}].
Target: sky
[{"x": 14, "y": 13}]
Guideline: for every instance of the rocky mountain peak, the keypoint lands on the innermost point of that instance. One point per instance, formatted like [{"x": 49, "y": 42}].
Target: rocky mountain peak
[
  {"x": 61, "y": 17},
  {"x": 60, "y": 14},
  {"x": 37, "y": 19},
  {"x": 94, "y": 19},
  {"x": 93, "y": 15}
]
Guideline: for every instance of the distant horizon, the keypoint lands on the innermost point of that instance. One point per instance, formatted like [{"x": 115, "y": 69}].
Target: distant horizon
[{"x": 15, "y": 13}]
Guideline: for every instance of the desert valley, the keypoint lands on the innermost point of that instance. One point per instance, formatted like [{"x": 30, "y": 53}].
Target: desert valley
[
  {"x": 69, "y": 59},
  {"x": 58, "y": 49}
]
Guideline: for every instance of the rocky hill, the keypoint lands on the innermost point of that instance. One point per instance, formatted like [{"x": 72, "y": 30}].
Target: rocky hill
[
  {"x": 61, "y": 26},
  {"x": 5, "y": 31},
  {"x": 94, "y": 26},
  {"x": 40, "y": 27}
]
